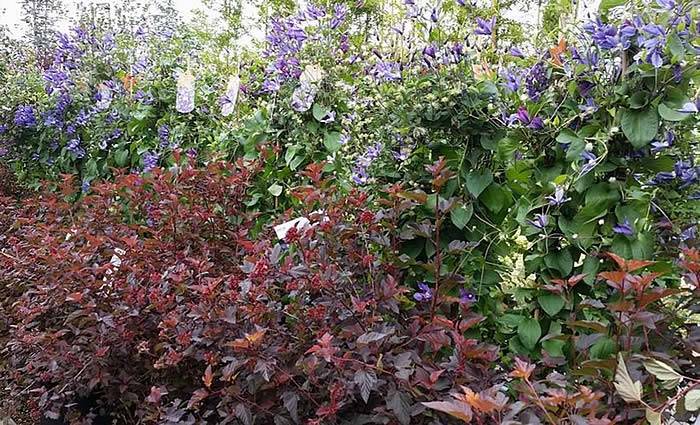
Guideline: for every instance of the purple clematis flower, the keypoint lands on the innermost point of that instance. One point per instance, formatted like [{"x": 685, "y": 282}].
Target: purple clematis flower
[
  {"x": 150, "y": 161},
  {"x": 25, "y": 117},
  {"x": 662, "y": 178},
  {"x": 515, "y": 52},
  {"x": 541, "y": 221},
  {"x": 424, "y": 293},
  {"x": 559, "y": 197},
  {"x": 624, "y": 228},
  {"x": 466, "y": 297},
  {"x": 484, "y": 27}
]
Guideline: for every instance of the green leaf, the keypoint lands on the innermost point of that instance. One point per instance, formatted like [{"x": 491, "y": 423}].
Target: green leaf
[
  {"x": 460, "y": 216},
  {"x": 692, "y": 400},
  {"x": 554, "y": 347},
  {"x": 639, "y": 99},
  {"x": 332, "y": 141},
  {"x": 663, "y": 372},
  {"x": 602, "y": 349},
  {"x": 675, "y": 45},
  {"x": 640, "y": 126},
  {"x": 590, "y": 267},
  {"x": 670, "y": 114},
  {"x": 567, "y": 136},
  {"x": 560, "y": 260},
  {"x": 120, "y": 157},
  {"x": 478, "y": 181},
  {"x": 529, "y": 332},
  {"x": 275, "y": 190},
  {"x": 606, "y": 5},
  {"x": 551, "y": 303},
  {"x": 494, "y": 198},
  {"x": 320, "y": 111},
  {"x": 630, "y": 391}
]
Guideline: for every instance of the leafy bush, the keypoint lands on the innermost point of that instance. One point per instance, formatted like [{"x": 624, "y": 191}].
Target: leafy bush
[{"x": 153, "y": 295}]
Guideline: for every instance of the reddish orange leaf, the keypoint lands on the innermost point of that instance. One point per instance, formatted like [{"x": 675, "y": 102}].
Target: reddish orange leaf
[{"x": 208, "y": 377}]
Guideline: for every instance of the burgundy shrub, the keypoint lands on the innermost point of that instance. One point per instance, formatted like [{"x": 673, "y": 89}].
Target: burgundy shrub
[{"x": 152, "y": 295}]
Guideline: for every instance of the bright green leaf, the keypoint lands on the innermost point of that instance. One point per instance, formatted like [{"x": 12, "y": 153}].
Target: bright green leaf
[
  {"x": 551, "y": 303},
  {"x": 461, "y": 215},
  {"x": 529, "y": 332},
  {"x": 640, "y": 126}
]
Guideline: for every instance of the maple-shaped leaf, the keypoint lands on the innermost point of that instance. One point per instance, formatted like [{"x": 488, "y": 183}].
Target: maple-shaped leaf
[
  {"x": 556, "y": 51},
  {"x": 324, "y": 348},
  {"x": 455, "y": 408},
  {"x": 629, "y": 265},
  {"x": 522, "y": 369},
  {"x": 629, "y": 390},
  {"x": 249, "y": 340}
]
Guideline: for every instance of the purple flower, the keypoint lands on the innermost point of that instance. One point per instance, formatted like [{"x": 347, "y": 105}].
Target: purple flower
[
  {"x": 74, "y": 148},
  {"x": 271, "y": 85},
  {"x": 590, "y": 106},
  {"x": 686, "y": 173},
  {"x": 340, "y": 11},
  {"x": 386, "y": 71},
  {"x": 585, "y": 87},
  {"x": 523, "y": 116},
  {"x": 484, "y": 27},
  {"x": 663, "y": 177},
  {"x": 164, "y": 135},
  {"x": 314, "y": 12},
  {"x": 540, "y": 221},
  {"x": 85, "y": 186},
  {"x": 150, "y": 161},
  {"x": 694, "y": 196},
  {"x": 677, "y": 73},
  {"x": 536, "y": 124},
  {"x": 658, "y": 146},
  {"x": 466, "y": 297},
  {"x": 655, "y": 57},
  {"x": 429, "y": 51},
  {"x": 515, "y": 52},
  {"x": 559, "y": 197},
  {"x": 328, "y": 117},
  {"x": 624, "y": 228},
  {"x": 536, "y": 81},
  {"x": 424, "y": 293},
  {"x": 434, "y": 15},
  {"x": 604, "y": 36},
  {"x": 689, "y": 108},
  {"x": 511, "y": 80},
  {"x": 25, "y": 117},
  {"x": 363, "y": 162},
  {"x": 689, "y": 233}
]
